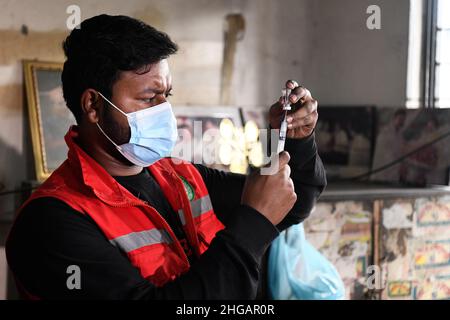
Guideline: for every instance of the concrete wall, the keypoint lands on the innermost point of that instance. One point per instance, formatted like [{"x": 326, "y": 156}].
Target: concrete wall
[
  {"x": 326, "y": 45},
  {"x": 322, "y": 43},
  {"x": 352, "y": 64}
]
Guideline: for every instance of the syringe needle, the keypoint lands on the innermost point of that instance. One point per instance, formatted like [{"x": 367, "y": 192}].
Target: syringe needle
[{"x": 283, "y": 127}]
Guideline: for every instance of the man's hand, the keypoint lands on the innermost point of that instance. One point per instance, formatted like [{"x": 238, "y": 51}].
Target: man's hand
[
  {"x": 272, "y": 195},
  {"x": 302, "y": 119}
]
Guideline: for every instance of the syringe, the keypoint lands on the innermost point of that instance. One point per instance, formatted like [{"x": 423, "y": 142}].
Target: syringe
[{"x": 283, "y": 127}]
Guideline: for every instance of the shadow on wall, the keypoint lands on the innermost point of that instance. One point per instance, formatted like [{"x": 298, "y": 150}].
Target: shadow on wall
[
  {"x": 11, "y": 165},
  {"x": 16, "y": 167},
  {"x": 14, "y": 170}
]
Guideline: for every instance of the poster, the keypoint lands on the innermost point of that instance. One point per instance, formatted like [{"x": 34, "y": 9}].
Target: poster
[
  {"x": 341, "y": 231},
  {"x": 416, "y": 254},
  {"x": 420, "y": 135}
]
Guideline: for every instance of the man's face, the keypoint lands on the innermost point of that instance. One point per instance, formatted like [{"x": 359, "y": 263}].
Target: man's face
[{"x": 134, "y": 91}]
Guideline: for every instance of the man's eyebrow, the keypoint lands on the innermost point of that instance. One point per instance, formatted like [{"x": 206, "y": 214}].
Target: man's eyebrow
[{"x": 156, "y": 91}]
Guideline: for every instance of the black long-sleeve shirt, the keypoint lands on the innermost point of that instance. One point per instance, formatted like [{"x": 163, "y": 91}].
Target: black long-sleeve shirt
[{"x": 49, "y": 236}]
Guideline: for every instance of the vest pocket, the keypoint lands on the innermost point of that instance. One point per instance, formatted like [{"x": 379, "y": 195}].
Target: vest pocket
[
  {"x": 207, "y": 230},
  {"x": 159, "y": 264}
]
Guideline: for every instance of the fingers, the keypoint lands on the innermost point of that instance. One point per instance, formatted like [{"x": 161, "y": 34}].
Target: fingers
[
  {"x": 308, "y": 108},
  {"x": 291, "y": 84},
  {"x": 304, "y": 112},
  {"x": 284, "y": 159},
  {"x": 298, "y": 92},
  {"x": 278, "y": 166},
  {"x": 308, "y": 121},
  {"x": 287, "y": 171},
  {"x": 284, "y": 168},
  {"x": 294, "y": 195},
  {"x": 306, "y": 115}
]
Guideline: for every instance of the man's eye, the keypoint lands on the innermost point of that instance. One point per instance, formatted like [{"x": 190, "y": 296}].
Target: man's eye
[{"x": 148, "y": 100}]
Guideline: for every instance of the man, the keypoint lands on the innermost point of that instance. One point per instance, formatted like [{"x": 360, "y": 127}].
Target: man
[
  {"x": 390, "y": 135},
  {"x": 133, "y": 224}
]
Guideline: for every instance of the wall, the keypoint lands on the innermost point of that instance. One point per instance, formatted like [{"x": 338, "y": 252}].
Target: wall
[
  {"x": 322, "y": 43},
  {"x": 352, "y": 64},
  {"x": 275, "y": 49},
  {"x": 326, "y": 46}
]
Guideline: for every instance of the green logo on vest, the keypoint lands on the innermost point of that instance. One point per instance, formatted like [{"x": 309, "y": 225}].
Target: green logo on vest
[{"x": 189, "y": 190}]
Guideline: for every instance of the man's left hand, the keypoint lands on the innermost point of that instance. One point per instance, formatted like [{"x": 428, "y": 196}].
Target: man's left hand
[{"x": 302, "y": 119}]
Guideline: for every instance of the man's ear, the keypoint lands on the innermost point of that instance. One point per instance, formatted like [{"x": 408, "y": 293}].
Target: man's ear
[{"x": 91, "y": 105}]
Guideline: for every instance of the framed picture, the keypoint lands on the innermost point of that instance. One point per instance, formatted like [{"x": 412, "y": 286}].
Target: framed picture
[
  {"x": 258, "y": 115},
  {"x": 255, "y": 119},
  {"x": 412, "y": 146},
  {"x": 48, "y": 115},
  {"x": 344, "y": 138},
  {"x": 212, "y": 136}
]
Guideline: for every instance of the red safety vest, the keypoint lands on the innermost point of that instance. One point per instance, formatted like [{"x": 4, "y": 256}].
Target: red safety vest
[{"x": 131, "y": 224}]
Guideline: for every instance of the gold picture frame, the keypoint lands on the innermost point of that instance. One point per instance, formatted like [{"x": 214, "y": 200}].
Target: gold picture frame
[{"x": 49, "y": 118}]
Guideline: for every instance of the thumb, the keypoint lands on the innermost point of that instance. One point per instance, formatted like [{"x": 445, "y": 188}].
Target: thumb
[
  {"x": 284, "y": 159},
  {"x": 276, "y": 164}
]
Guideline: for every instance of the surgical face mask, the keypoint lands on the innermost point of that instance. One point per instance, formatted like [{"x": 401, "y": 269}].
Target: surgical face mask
[{"x": 153, "y": 134}]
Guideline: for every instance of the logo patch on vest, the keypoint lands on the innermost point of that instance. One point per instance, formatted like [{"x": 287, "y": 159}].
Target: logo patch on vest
[{"x": 189, "y": 190}]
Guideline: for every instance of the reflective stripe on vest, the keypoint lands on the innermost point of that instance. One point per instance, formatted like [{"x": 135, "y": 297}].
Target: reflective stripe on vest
[
  {"x": 136, "y": 240},
  {"x": 199, "y": 206}
]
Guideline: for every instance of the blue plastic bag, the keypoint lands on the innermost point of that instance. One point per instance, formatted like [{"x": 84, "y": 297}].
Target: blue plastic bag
[{"x": 298, "y": 271}]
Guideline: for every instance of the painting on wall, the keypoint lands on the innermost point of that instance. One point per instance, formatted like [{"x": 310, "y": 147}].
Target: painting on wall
[
  {"x": 344, "y": 138},
  {"x": 212, "y": 136},
  {"x": 49, "y": 117},
  {"x": 255, "y": 120},
  {"x": 413, "y": 146},
  {"x": 258, "y": 115},
  {"x": 342, "y": 232},
  {"x": 415, "y": 250}
]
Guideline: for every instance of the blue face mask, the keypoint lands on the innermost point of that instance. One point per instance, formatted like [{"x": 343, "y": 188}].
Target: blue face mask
[{"x": 153, "y": 134}]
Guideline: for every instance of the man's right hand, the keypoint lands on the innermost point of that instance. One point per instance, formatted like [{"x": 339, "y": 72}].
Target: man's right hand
[{"x": 271, "y": 195}]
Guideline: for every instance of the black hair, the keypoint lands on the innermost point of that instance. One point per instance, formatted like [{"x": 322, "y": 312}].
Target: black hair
[{"x": 101, "y": 48}]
